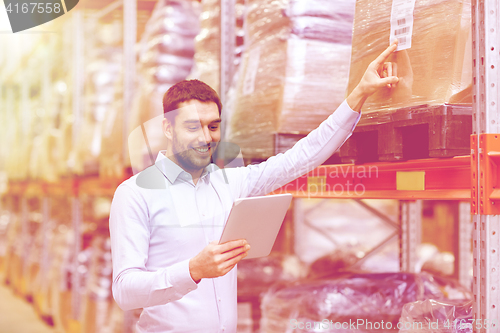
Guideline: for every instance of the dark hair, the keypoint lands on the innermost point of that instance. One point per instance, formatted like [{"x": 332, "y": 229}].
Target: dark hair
[{"x": 187, "y": 90}]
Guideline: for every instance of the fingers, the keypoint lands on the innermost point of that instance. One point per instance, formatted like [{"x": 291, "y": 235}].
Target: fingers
[
  {"x": 234, "y": 252},
  {"x": 229, "y": 264},
  {"x": 387, "y": 71},
  {"x": 232, "y": 244},
  {"x": 389, "y": 81},
  {"x": 388, "y": 65},
  {"x": 384, "y": 55}
]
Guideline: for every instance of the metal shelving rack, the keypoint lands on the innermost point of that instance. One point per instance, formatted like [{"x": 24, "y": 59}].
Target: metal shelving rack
[
  {"x": 473, "y": 178},
  {"x": 485, "y": 153},
  {"x": 75, "y": 186}
]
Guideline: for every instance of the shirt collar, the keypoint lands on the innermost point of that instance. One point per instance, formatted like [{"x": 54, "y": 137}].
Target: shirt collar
[{"x": 172, "y": 171}]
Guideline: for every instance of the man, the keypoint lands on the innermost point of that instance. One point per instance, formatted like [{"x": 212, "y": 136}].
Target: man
[{"x": 165, "y": 221}]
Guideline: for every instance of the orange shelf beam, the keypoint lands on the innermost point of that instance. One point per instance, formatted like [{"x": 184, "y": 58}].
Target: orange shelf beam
[{"x": 439, "y": 179}]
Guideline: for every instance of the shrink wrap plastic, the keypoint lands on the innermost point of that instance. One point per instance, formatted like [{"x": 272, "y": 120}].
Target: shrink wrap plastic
[
  {"x": 207, "y": 45},
  {"x": 289, "y": 84},
  {"x": 333, "y": 234},
  {"x": 40, "y": 120},
  {"x": 5, "y": 226},
  {"x": 437, "y": 316},
  {"x": 99, "y": 303},
  {"x": 111, "y": 157},
  {"x": 301, "y": 18},
  {"x": 10, "y": 231},
  {"x": 57, "y": 241},
  {"x": 255, "y": 276},
  {"x": 148, "y": 112},
  {"x": 103, "y": 75},
  {"x": 441, "y": 263},
  {"x": 368, "y": 297},
  {"x": 166, "y": 58},
  {"x": 437, "y": 69}
]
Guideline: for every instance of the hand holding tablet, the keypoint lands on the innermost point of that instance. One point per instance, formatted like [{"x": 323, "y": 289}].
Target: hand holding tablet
[{"x": 258, "y": 220}]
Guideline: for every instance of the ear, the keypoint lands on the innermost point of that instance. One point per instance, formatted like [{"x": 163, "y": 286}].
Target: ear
[{"x": 168, "y": 129}]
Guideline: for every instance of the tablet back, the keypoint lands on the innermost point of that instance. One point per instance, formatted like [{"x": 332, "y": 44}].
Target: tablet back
[{"x": 258, "y": 220}]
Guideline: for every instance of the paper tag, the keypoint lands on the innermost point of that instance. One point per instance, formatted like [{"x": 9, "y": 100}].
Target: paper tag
[
  {"x": 251, "y": 73},
  {"x": 402, "y": 23}
]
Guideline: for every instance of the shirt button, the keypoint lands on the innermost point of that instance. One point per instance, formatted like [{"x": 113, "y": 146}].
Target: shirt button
[
  {"x": 219, "y": 299},
  {"x": 189, "y": 289},
  {"x": 223, "y": 328}
]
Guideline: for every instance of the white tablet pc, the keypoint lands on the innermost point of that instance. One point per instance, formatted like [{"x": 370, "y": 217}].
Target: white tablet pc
[{"x": 258, "y": 220}]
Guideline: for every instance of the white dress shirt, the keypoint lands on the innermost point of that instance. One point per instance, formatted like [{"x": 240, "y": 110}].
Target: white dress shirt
[{"x": 160, "y": 219}]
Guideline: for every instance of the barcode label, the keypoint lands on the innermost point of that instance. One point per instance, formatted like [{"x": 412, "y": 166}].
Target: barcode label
[
  {"x": 402, "y": 31},
  {"x": 402, "y": 23}
]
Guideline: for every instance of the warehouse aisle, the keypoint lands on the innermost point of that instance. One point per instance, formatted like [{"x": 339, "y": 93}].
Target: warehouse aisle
[{"x": 17, "y": 315}]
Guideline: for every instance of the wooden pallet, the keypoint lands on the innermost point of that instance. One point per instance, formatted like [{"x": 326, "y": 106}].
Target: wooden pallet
[{"x": 410, "y": 133}]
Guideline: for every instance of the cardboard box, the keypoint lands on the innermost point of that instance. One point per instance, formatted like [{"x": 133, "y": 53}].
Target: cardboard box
[{"x": 437, "y": 69}]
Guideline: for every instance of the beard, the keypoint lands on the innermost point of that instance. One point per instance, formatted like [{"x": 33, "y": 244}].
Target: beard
[{"x": 188, "y": 159}]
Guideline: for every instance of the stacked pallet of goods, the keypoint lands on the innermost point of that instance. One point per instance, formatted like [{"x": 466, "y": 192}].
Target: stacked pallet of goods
[
  {"x": 432, "y": 99},
  {"x": 295, "y": 71},
  {"x": 166, "y": 58}
]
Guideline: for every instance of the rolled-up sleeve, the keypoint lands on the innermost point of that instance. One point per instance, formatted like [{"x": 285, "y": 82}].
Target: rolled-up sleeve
[{"x": 134, "y": 286}]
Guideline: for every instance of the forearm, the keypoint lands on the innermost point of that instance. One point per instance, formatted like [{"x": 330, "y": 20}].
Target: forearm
[
  {"x": 304, "y": 156},
  {"x": 134, "y": 288},
  {"x": 356, "y": 99},
  {"x": 136, "y": 285}
]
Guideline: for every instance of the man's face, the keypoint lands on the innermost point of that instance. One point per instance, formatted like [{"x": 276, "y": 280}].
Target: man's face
[{"x": 194, "y": 134}]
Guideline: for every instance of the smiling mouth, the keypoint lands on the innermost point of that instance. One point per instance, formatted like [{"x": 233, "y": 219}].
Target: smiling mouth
[{"x": 202, "y": 150}]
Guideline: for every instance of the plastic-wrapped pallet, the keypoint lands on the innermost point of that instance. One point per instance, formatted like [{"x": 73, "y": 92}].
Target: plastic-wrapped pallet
[
  {"x": 255, "y": 276},
  {"x": 372, "y": 298},
  {"x": 103, "y": 73},
  {"x": 55, "y": 238},
  {"x": 207, "y": 56},
  {"x": 98, "y": 303},
  {"x": 439, "y": 316},
  {"x": 5, "y": 225},
  {"x": 166, "y": 58},
  {"x": 295, "y": 70},
  {"x": 46, "y": 116},
  {"x": 111, "y": 162},
  {"x": 169, "y": 42},
  {"x": 437, "y": 69}
]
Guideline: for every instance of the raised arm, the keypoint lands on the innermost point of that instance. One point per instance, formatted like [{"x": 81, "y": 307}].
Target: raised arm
[
  {"x": 321, "y": 143},
  {"x": 377, "y": 75}
]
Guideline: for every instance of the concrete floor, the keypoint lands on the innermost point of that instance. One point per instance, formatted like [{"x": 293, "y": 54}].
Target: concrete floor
[{"x": 17, "y": 315}]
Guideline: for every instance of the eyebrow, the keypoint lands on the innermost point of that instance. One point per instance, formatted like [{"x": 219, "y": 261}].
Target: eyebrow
[{"x": 197, "y": 121}]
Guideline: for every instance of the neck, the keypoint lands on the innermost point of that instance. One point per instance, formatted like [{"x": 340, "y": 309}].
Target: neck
[{"x": 195, "y": 174}]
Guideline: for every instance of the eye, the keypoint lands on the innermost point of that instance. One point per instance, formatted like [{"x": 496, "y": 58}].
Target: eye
[
  {"x": 214, "y": 127},
  {"x": 193, "y": 128}
]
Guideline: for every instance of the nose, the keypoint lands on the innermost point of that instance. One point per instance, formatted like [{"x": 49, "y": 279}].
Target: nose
[{"x": 205, "y": 135}]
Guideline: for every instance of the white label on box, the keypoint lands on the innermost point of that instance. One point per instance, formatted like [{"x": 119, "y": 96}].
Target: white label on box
[
  {"x": 251, "y": 73},
  {"x": 402, "y": 23}
]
